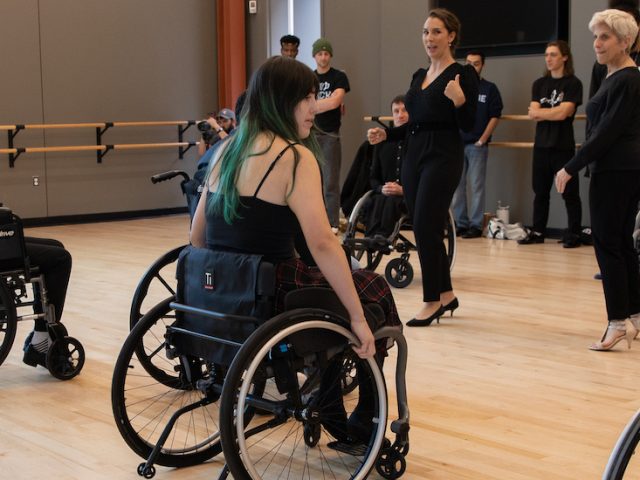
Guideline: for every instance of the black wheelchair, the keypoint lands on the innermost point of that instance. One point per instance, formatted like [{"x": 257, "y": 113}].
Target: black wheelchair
[
  {"x": 268, "y": 391},
  {"x": 159, "y": 280},
  {"x": 65, "y": 356},
  {"x": 369, "y": 250}
]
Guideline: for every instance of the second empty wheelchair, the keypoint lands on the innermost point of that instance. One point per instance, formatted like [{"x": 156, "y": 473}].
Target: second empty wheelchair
[
  {"x": 370, "y": 249},
  {"x": 23, "y": 297},
  {"x": 269, "y": 392}
]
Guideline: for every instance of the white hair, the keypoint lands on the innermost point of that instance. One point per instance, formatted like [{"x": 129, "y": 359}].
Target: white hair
[{"x": 622, "y": 24}]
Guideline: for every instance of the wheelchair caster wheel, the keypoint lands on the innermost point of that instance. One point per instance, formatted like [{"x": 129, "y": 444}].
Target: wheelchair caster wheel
[
  {"x": 398, "y": 273},
  {"x": 311, "y": 434},
  {"x": 57, "y": 331},
  {"x": 391, "y": 464},
  {"x": 146, "y": 471},
  {"x": 65, "y": 358}
]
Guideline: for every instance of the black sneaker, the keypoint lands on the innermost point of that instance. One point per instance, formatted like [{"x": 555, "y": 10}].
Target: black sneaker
[
  {"x": 461, "y": 231},
  {"x": 473, "y": 232},
  {"x": 531, "y": 238},
  {"x": 33, "y": 357}
]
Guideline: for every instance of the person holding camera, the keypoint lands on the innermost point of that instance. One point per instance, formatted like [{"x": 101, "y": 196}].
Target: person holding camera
[{"x": 215, "y": 128}]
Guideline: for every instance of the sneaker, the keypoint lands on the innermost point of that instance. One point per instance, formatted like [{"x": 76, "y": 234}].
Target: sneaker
[
  {"x": 461, "y": 231},
  {"x": 473, "y": 232},
  {"x": 33, "y": 357},
  {"x": 531, "y": 238}
]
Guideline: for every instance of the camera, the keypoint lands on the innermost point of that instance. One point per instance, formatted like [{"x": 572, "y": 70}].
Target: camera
[{"x": 206, "y": 131}]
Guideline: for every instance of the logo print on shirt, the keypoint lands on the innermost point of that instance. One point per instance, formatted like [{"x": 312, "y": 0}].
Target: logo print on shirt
[
  {"x": 324, "y": 90},
  {"x": 555, "y": 99}
]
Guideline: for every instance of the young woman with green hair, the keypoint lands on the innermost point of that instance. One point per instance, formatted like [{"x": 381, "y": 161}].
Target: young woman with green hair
[{"x": 265, "y": 185}]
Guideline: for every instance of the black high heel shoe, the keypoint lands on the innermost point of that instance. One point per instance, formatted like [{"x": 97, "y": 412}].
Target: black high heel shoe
[
  {"x": 425, "y": 322},
  {"x": 451, "y": 306}
]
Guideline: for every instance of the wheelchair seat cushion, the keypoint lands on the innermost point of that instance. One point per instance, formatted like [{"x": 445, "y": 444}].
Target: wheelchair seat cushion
[{"x": 223, "y": 282}]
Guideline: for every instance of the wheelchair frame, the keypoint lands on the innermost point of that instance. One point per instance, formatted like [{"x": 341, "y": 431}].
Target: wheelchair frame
[
  {"x": 398, "y": 272},
  {"x": 188, "y": 390},
  {"x": 65, "y": 356}
]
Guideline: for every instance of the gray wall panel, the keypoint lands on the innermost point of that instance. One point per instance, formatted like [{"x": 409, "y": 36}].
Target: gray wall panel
[{"x": 113, "y": 61}]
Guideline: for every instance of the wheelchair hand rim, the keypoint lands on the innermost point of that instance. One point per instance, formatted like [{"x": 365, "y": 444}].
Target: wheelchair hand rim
[{"x": 250, "y": 371}]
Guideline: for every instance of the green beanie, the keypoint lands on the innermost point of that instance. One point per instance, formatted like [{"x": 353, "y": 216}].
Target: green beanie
[{"x": 322, "y": 45}]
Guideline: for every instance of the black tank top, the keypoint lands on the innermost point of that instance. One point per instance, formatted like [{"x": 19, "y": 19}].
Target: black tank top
[{"x": 262, "y": 228}]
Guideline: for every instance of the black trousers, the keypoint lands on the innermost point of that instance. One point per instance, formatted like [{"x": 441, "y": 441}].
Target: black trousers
[
  {"x": 428, "y": 189},
  {"x": 546, "y": 162},
  {"x": 54, "y": 262},
  {"x": 613, "y": 200}
]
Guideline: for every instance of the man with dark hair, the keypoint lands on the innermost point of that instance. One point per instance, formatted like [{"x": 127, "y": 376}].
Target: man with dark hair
[
  {"x": 289, "y": 46},
  {"x": 476, "y": 151},
  {"x": 334, "y": 85},
  {"x": 387, "y": 202}
]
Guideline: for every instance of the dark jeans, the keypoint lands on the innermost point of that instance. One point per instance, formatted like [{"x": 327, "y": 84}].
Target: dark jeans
[
  {"x": 546, "y": 162},
  {"x": 54, "y": 262},
  {"x": 613, "y": 200}
]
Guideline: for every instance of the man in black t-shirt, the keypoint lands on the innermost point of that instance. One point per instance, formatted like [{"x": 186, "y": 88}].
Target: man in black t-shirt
[
  {"x": 554, "y": 100},
  {"x": 334, "y": 85}
]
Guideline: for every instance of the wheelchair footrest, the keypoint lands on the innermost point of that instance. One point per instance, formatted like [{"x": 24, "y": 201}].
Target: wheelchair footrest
[{"x": 353, "y": 449}]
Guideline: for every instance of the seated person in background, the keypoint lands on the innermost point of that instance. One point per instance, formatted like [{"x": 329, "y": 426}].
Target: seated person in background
[
  {"x": 54, "y": 262},
  {"x": 387, "y": 201},
  {"x": 221, "y": 124},
  {"x": 264, "y": 185}
]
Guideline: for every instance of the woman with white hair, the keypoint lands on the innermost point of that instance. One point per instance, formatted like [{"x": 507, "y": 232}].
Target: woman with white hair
[{"x": 612, "y": 151}]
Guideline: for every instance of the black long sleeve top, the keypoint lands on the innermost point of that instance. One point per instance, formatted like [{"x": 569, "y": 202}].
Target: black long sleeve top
[
  {"x": 430, "y": 107},
  {"x": 613, "y": 132}
]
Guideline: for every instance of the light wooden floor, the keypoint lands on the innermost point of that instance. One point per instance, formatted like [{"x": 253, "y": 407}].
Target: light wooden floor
[{"x": 506, "y": 389}]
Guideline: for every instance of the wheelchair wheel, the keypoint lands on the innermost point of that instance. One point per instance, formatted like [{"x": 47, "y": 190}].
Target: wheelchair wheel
[
  {"x": 156, "y": 284},
  {"x": 398, "y": 273},
  {"x": 368, "y": 258},
  {"x": 620, "y": 463},
  {"x": 65, "y": 358},
  {"x": 302, "y": 435},
  {"x": 450, "y": 239},
  {"x": 8, "y": 321},
  {"x": 148, "y": 389}
]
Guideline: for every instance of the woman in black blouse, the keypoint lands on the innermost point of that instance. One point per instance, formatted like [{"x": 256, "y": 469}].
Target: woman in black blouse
[
  {"x": 612, "y": 151},
  {"x": 441, "y": 100}
]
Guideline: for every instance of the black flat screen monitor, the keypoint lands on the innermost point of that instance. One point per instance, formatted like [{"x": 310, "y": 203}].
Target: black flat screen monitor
[{"x": 509, "y": 27}]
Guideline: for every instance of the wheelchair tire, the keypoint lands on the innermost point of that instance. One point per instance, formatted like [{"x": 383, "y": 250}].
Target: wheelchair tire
[
  {"x": 8, "y": 321},
  {"x": 623, "y": 451},
  {"x": 158, "y": 282},
  {"x": 399, "y": 273},
  {"x": 65, "y": 358},
  {"x": 273, "y": 441},
  {"x": 143, "y": 399}
]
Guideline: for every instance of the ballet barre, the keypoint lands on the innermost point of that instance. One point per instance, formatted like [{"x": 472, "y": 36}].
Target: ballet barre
[
  {"x": 385, "y": 118},
  {"x": 100, "y": 128}
]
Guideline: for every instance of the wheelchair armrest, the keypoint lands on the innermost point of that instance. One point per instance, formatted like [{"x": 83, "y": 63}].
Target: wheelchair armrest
[{"x": 266, "y": 283}]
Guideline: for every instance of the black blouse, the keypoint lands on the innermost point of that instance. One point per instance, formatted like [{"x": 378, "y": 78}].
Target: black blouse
[
  {"x": 613, "y": 133},
  {"x": 432, "y": 110}
]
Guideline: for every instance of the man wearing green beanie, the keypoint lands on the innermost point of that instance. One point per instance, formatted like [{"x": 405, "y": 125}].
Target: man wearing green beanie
[{"x": 334, "y": 84}]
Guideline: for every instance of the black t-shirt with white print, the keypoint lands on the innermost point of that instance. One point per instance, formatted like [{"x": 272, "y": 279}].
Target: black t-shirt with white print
[
  {"x": 550, "y": 92},
  {"x": 330, "y": 121}
]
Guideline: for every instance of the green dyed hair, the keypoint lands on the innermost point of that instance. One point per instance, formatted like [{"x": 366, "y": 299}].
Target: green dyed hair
[{"x": 274, "y": 91}]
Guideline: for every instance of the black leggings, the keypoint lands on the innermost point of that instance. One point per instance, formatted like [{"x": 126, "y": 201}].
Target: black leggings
[
  {"x": 428, "y": 191},
  {"x": 54, "y": 262}
]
